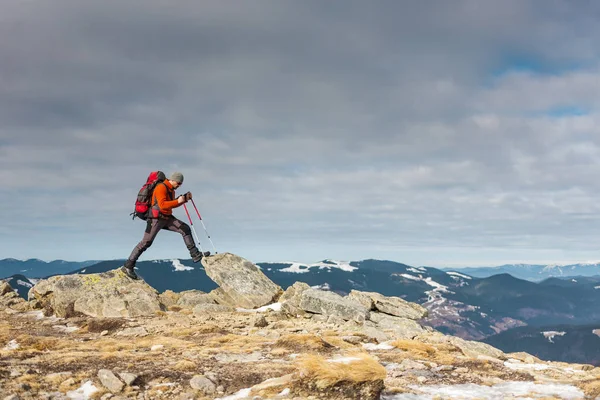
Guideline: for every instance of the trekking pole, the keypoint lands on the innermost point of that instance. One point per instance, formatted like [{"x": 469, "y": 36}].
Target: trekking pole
[
  {"x": 202, "y": 222},
  {"x": 193, "y": 230}
]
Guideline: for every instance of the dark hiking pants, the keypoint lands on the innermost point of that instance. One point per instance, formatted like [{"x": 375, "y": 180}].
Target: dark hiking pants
[{"x": 156, "y": 224}]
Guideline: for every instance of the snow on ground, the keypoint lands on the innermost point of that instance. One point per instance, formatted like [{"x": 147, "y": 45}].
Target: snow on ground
[
  {"x": 179, "y": 266},
  {"x": 23, "y": 283},
  {"x": 274, "y": 307},
  {"x": 344, "y": 360},
  {"x": 84, "y": 392},
  {"x": 380, "y": 346},
  {"x": 299, "y": 268},
  {"x": 453, "y": 274},
  {"x": 324, "y": 286},
  {"x": 241, "y": 394},
  {"x": 12, "y": 345},
  {"x": 505, "y": 390},
  {"x": 550, "y": 335}
]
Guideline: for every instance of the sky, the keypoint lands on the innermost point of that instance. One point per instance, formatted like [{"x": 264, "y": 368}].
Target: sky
[{"x": 432, "y": 133}]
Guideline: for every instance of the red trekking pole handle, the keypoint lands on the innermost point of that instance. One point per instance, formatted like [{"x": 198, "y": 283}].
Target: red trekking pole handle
[{"x": 194, "y": 204}]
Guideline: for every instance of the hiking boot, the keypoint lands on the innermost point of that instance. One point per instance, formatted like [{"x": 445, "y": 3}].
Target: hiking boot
[
  {"x": 128, "y": 269},
  {"x": 197, "y": 255}
]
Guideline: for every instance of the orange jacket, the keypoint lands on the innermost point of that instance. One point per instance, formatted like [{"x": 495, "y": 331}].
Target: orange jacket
[{"x": 164, "y": 196}]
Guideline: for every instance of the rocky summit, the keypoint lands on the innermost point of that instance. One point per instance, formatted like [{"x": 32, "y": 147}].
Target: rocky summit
[{"x": 105, "y": 336}]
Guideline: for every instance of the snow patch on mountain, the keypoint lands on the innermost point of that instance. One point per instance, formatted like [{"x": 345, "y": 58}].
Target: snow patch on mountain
[
  {"x": 551, "y": 334},
  {"x": 299, "y": 268},
  {"x": 179, "y": 266},
  {"x": 458, "y": 274}
]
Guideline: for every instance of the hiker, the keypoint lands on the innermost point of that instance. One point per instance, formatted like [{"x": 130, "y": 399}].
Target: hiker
[{"x": 161, "y": 217}]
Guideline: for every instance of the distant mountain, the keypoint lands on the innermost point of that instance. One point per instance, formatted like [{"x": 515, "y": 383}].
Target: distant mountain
[
  {"x": 575, "y": 344},
  {"x": 533, "y": 272},
  {"x": 35, "y": 268}
]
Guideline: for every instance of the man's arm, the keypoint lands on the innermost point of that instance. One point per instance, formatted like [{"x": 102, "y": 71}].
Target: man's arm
[{"x": 161, "y": 198}]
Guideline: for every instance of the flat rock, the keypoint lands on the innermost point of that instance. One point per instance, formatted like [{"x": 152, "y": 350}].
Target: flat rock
[
  {"x": 107, "y": 294},
  {"x": 389, "y": 305},
  {"x": 330, "y": 303}
]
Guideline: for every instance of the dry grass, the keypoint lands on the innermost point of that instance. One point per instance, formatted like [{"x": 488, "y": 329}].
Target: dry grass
[
  {"x": 236, "y": 343},
  {"x": 415, "y": 347},
  {"x": 590, "y": 388},
  {"x": 185, "y": 365},
  {"x": 325, "y": 373},
  {"x": 104, "y": 324},
  {"x": 338, "y": 342},
  {"x": 303, "y": 343}
]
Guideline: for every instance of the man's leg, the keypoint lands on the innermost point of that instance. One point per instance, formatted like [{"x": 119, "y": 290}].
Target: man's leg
[
  {"x": 181, "y": 227},
  {"x": 152, "y": 228}
]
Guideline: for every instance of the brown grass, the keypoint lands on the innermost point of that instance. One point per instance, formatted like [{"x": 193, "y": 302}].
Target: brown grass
[
  {"x": 415, "y": 347},
  {"x": 303, "y": 343},
  {"x": 104, "y": 324},
  {"x": 236, "y": 343},
  {"x": 324, "y": 373},
  {"x": 590, "y": 388},
  {"x": 185, "y": 365}
]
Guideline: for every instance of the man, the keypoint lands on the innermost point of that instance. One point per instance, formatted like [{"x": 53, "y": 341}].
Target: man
[{"x": 161, "y": 217}]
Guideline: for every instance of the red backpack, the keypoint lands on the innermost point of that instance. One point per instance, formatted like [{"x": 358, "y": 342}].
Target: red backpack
[{"x": 144, "y": 197}]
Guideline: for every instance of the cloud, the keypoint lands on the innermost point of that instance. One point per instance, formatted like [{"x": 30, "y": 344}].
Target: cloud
[{"x": 311, "y": 130}]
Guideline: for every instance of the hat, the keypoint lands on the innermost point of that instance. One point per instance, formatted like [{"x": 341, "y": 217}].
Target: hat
[{"x": 177, "y": 177}]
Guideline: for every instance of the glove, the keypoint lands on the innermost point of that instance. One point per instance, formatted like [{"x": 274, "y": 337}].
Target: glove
[
  {"x": 181, "y": 199},
  {"x": 188, "y": 196}
]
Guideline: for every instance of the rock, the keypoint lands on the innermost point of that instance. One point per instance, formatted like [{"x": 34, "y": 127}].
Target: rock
[
  {"x": 402, "y": 328},
  {"x": 108, "y": 294},
  {"x": 191, "y": 298},
  {"x": 202, "y": 383},
  {"x": 411, "y": 365},
  {"x": 474, "y": 349},
  {"x": 330, "y": 303},
  {"x": 168, "y": 298},
  {"x": 137, "y": 331},
  {"x": 110, "y": 381},
  {"x": 243, "y": 281},
  {"x": 128, "y": 378},
  {"x": 107, "y": 396},
  {"x": 389, "y": 305},
  {"x": 260, "y": 321},
  {"x": 202, "y": 309},
  {"x": 12, "y": 397},
  {"x": 290, "y": 299},
  {"x": 157, "y": 347},
  {"x": 5, "y": 288}
]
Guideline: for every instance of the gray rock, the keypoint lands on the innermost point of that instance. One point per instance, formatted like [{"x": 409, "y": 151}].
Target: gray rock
[
  {"x": 191, "y": 298},
  {"x": 330, "y": 303},
  {"x": 5, "y": 288},
  {"x": 12, "y": 397},
  {"x": 401, "y": 328},
  {"x": 202, "y": 383},
  {"x": 137, "y": 331},
  {"x": 243, "y": 281},
  {"x": 108, "y": 294},
  {"x": 110, "y": 381},
  {"x": 389, "y": 304},
  {"x": 128, "y": 378},
  {"x": 202, "y": 309},
  {"x": 290, "y": 299},
  {"x": 260, "y": 321}
]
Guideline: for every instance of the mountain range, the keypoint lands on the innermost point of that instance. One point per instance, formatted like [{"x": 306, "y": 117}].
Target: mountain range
[{"x": 533, "y": 272}]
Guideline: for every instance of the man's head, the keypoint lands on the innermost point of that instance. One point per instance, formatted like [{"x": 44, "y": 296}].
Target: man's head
[{"x": 176, "y": 179}]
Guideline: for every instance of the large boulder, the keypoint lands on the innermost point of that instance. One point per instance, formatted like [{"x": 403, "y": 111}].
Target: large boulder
[
  {"x": 389, "y": 304},
  {"x": 400, "y": 328},
  {"x": 290, "y": 299},
  {"x": 10, "y": 298},
  {"x": 332, "y": 304},
  {"x": 108, "y": 294},
  {"x": 241, "y": 283}
]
